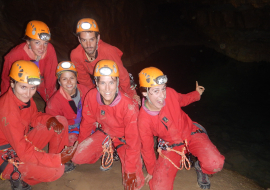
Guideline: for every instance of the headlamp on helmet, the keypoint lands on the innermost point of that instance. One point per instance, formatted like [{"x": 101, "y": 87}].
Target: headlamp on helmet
[
  {"x": 44, "y": 36},
  {"x": 161, "y": 79},
  {"x": 66, "y": 65},
  {"x": 33, "y": 80},
  {"x": 86, "y": 25}
]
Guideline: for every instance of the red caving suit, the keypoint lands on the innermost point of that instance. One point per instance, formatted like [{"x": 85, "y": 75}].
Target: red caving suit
[
  {"x": 47, "y": 66},
  {"x": 179, "y": 127},
  {"x": 105, "y": 51},
  {"x": 119, "y": 119},
  {"x": 15, "y": 123},
  {"x": 58, "y": 104}
]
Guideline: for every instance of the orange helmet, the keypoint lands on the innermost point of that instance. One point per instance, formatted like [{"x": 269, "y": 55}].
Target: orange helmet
[
  {"x": 25, "y": 72},
  {"x": 38, "y": 30},
  {"x": 87, "y": 24},
  {"x": 152, "y": 76},
  {"x": 65, "y": 66},
  {"x": 106, "y": 68}
]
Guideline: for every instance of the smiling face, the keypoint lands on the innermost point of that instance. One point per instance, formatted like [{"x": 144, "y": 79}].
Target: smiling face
[
  {"x": 156, "y": 95},
  {"x": 68, "y": 81},
  {"x": 89, "y": 42},
  {"x": 107, "y": 86},
  {"x": 23, "y": 91},
  {"x": 39, "y": 47}
]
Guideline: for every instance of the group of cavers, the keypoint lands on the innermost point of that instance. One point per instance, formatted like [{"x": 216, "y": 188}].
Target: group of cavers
[{"x": 95, "y": 114}]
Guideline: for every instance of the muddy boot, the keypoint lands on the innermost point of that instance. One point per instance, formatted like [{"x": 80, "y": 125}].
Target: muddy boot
[
  {"x": 202, "y": 178},
  {"x": 19, "y": 185},
  {"x": 69, "y": 166}
]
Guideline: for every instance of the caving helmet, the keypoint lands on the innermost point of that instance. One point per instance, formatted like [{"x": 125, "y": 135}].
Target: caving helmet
[
  {"x": 87, "y": 25},
  {"x": 106, "y": 68},
  {"x": 65, "y": 66},
  {"x": 152, "y": 76},
  {"x": 38, "y": 30},
  {"x": 25, "y": 72}
]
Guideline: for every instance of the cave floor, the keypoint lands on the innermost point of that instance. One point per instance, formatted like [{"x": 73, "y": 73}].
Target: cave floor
[{"x": 89, "y": 176}]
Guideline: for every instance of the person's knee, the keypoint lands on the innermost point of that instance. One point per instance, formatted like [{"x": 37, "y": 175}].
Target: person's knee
[
  {"x": 55, "y": 174},
  {"x": 63, "y": 121},
  {"x": 213, "y": 164}
]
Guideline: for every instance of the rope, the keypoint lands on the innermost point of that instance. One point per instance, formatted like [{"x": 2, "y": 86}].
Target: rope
[
  {"x": 107, "y": 161},
  {"x": 183, "y": 162},
  {"x": 35, "y": 148}
]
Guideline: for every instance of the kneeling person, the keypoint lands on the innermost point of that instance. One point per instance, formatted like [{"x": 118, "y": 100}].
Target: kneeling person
[
  {"x": 24, "y": 132},
  {"x": 117, "y": 118},
  {"x": 68, "y": 100}
]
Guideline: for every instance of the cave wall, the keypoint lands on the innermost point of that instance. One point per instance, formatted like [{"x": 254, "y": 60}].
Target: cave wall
[{"x": 237, "y": 28}]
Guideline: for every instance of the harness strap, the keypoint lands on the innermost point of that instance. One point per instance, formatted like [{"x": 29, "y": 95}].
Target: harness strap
[
  {"x": 5, "y": 163},
  {"x": 5, "y": 146},
  {"x": 120, "y": 139},
  {"x": 184, "y": 162}
]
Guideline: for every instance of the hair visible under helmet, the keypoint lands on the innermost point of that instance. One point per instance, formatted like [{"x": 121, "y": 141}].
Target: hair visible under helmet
[
  {"x": 150, "y": 77},
  {"x": 65, "y": 66},
  {"x": 25, "y": 72},
  {"x": 38, "y": 30},
  {"x": 106, "y": 68}
]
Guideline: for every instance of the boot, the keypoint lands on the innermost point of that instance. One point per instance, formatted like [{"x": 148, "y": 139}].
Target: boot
[
  {"x": 69, "y": 166},
  {"x": 202, "y": 178},
  {"x": 19, "y": 185}
]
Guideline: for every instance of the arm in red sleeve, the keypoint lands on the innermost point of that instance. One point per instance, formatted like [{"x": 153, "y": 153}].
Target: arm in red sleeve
[
  {"x": 83, "y": 76},
  {"x": 88, "y": 120},
  {"x": 50, "y": 78},
  {"x": 132, "y": 138},
  {"x": 186, "y": 99},
  {"x": 147, "y": 140},
  {"x": 5, "y": 83},
  {"x": 53, "y": 108}
]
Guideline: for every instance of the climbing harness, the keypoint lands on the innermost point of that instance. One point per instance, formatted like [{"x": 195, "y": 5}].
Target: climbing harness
[
  {"x": 184, "y": 162},
  {"x": 11, "y": 157},
  {"x": 109, "y": 151},
  {"x": 107, "y": 158}
]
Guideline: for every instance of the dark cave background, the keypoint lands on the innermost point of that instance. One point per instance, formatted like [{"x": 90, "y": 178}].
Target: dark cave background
[{"x": 224, "y": 45}]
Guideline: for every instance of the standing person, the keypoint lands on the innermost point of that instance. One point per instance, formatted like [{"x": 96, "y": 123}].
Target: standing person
[
  {"x": 161, "y": 115},
  {"x": 37, "y": 49},
  {"x": 117, "y": 118},
  {"x": 91, "y": 50},
  {"x": 24, "y": 132},
  {"x": 68, "y": 100}
]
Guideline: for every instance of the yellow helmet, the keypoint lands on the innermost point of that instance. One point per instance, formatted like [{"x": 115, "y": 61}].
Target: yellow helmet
[
  {"x": 152, "y": 76},
  {"x": 106, "y": 68},
  {"x": 38, "y": 30},
  {"x": 25, "y": 72},
  {"x": 65, "y": 66},
  {"x": 87, "y": 24}
]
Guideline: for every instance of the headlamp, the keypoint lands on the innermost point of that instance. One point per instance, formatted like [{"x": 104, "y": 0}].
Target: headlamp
[
  {"x": 66, "y": 65},
  {"x": 106, "y": 71},
  {"x": 33, "y": 80},
  {"x": 161, "y": 79},
  {"x": 86, "y": 25},
  {"x": 44, "y": 36}
]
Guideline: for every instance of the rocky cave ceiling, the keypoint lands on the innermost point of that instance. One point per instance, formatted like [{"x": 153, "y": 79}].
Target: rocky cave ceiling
[{"x": 236, "y": 28}]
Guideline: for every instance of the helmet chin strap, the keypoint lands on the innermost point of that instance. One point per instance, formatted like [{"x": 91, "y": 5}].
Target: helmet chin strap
[{"x": 147, "y": 96}]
